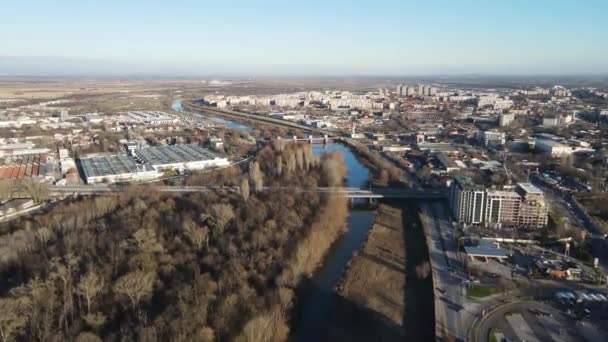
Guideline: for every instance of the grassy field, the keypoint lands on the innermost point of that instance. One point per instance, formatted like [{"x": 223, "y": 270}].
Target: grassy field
[
  {"x": 385, "y": 295},
  {"x": 376, "y": 276}
]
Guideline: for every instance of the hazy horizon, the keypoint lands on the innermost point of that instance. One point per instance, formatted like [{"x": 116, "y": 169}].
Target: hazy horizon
[{"x": 277, "y": 38}]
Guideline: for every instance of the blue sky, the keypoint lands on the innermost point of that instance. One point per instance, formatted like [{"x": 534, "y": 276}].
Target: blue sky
[{"x": 314, "y": 37}]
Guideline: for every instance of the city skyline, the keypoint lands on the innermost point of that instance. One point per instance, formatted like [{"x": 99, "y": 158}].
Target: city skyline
[{"x": 275, "y": 38}]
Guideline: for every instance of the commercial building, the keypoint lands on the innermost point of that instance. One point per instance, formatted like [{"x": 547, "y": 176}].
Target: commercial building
[
  {"x": 552, "y": 148},
  {"x": 472, "y": 204},
  {"x": 179, "y": 157},
  {"x": 112, "y": 168}
]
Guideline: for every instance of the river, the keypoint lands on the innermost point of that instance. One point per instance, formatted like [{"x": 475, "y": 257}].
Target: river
[
  {"x": 176, "y": 105},
  {"x": 313, "y": 310}
]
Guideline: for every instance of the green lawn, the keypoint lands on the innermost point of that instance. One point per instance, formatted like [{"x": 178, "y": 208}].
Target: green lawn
[{"x": 480, "y": 291}]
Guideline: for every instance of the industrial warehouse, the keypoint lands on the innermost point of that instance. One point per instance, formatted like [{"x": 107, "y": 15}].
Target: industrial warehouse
[
  {"x": 25, "y": 166},
  {"x": 147, "y": 163},
  {"x": 179, "y": 157},
  {"x": 115, "y": 168}
]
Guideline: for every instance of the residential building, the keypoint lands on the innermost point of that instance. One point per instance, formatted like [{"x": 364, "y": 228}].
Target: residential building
[
  {"x": 467, "y": 200},
  {"x": 502, "y": 208},
  {"x": 506, "y": 119},
  {"x": 533, "y": 211},
  {"x": 522, "y": 207},
  {"x": 492, "y": 138}
]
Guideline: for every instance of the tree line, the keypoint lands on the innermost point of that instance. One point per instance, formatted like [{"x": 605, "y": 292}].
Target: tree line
[{"x": 143, "y": 265}]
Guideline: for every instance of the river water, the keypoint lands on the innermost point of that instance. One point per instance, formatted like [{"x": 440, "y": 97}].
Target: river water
[
  {"x": 314, "y": 309},
  {"x": 176, "y": 105}
]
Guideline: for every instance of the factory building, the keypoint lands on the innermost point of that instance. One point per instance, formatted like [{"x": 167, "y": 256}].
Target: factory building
[
  {"x": 112, "y": 168},
  {"x": 179, "y": 157}
]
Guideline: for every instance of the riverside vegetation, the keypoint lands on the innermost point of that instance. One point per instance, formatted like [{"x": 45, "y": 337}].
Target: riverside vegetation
[{"x": 141, "y": 265}]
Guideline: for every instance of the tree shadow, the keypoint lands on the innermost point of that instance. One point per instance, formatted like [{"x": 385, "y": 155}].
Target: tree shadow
[
  {"x": 350, "y": 321},
  {"x": 419, "y": 314}
]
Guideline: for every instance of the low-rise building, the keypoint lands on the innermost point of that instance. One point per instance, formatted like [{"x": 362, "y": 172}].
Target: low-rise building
[
  {"x": 112, "y": 168},
  {"x": 179, "y": 157},
  {"x": 552, "y": 148}
]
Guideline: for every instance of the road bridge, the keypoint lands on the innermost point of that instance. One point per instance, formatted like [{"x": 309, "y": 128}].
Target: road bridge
[{"x": 348, "y": 192}]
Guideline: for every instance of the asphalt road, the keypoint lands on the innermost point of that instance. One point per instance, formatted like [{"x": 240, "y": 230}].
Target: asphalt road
[{"x": 453, "y": 315}]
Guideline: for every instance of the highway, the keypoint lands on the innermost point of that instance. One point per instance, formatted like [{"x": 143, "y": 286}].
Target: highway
[
  {"x": 452, "y": 317},
  {"x": 347, "y": 192}
]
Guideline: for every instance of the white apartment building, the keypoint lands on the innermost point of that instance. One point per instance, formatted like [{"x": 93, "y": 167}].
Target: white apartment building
[
  {"x": 491, "y": 138},
  {"x": 472, "y": 204}
]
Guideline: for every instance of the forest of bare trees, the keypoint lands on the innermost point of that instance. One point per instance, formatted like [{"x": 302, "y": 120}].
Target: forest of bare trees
[{"x": 147, "y": 266}]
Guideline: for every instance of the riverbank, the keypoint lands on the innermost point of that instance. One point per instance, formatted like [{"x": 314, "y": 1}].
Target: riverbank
[{"x": 386, "y": 292}]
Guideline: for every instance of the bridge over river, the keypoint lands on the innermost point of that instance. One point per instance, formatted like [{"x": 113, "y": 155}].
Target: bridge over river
[{"x": 348, "y": 192}]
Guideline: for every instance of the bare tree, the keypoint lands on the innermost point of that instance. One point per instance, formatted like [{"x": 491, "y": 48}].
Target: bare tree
[
  {"x": 197, "y": 235},
  {"x": 291, "y": 163},
  {"x": 255, "y": 175},
  {"x": 88, "y": 337},
  {"x": 222, "y": 213},
  {"x": 38, "y": 191},
  {"x": 279, "y": 165},
  {"x": 7, "y": 188},
  {"x": 279, "y": 144},
  {"x": 63, "y": 270},
  {"x": 43, "y": 234},
  {"x": 300, "y": 158},
  {"x": 135, "y": 285},
  {"x": 245, "y": 189},
  {"x": 13, "y": 317},
  {"x": 89, "y": 286}
]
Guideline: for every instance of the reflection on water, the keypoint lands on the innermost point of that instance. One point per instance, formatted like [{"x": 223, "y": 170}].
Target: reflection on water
[{"x": 316, "y": 307}]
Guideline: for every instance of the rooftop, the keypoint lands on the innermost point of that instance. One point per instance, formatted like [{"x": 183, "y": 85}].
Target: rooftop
[
  {"x": 174, "y": 154},
  {"x": 111, "y": 164},
  {"x": 529, "y": 188},
  {"x": 467, "y": 183}
]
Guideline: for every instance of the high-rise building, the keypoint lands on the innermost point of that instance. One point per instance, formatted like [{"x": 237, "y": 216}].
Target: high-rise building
[
  {"x": 421, "y": 89},
  {"x": 502, "y": 207},
  {"x": 467, "y": 200},
  {"x": 472, "y": 204},
  {"x": 399, "y": 90},
  {"x": 533, "y": 211}
]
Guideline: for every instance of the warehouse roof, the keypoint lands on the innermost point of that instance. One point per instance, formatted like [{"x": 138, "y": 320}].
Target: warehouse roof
[
  {"x": 174, "y": 154},
  {"x": 111, "y": 164}
]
